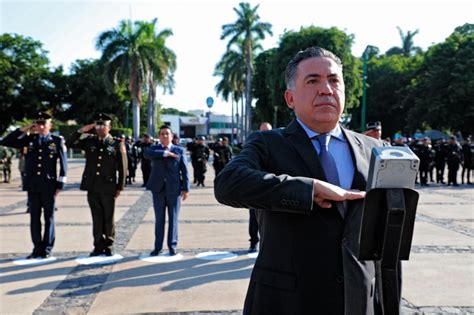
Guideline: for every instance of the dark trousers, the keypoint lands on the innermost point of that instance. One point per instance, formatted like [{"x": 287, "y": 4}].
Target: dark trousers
[
  {"x": 452, "y": 173},
  {"x": 103, "y": 226},
  {"x": 193, "y": 163},
  {"x": 424, "y": 177},
  {"x": 253, "y": 228},
  {"x": 146, "y": 170},
  {"x": 200, "y": 171},
  {"x": 37, "y": 202},
  {"x": 161, "y": 203},
  {"x": 467, "y": 170},
  {"x": 218, "y": 167},
  {"x": 440, "y": 172}
]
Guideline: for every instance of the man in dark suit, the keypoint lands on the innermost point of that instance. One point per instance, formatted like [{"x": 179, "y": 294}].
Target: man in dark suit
[
  {"x": 255, "y": 224},
  {"x": 306, "y": 181},
  {"x": 42, "y": 150},
  {"x": 168, "y": 182},
  {"x": 103, "y": 178}
]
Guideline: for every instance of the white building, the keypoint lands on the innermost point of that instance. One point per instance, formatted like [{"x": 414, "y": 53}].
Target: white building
[{"x": 200, "y": 125}]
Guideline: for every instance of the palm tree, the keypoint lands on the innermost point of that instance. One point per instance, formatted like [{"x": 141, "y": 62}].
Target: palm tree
[
  {"x": 250, "y": 30},
  {"x": 232, "y": 70},
  {"x": 408, "y": 47},
  {"x": 160, "y": 64},
  {"x": 123, "y": 54}
]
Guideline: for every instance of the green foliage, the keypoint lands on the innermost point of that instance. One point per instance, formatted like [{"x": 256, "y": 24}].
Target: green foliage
[
  {"x": 88, "y": 94},
  {"x": 135, "y": 55},
  {"x": 408, "y": 47},
  {"x": 443, "y": 91},
  {"x": 174, "y": 111},
  {"x": 116, "y": 132},
  {"x": 246, "y": 33},
  {"x": 264, "y": 111},
  {"x": 65, "y": 130},
  {"x": 24, "y": 78},
  {"x": 388, "y": 80}
]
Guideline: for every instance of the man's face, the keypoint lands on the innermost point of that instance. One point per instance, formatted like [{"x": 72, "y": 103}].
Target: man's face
[
  {"x": 42, "y": 127},
  {"x": 374, "y": 133},
  {"x": 265, "y": 127},
  {"x": 165, "y": 136},
  {"x": 318, "y": 93},
  {"x": 102, "y": 130}
]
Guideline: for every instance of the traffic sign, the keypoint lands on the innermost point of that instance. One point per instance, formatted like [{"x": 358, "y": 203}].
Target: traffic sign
[{"x": 209, "y": 102}]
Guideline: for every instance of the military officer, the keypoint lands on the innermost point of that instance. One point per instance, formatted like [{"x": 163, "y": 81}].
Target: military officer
[
  {"x": 454, "y": 158},
  {"x": 200, "y": 155},
  {"x": 103, "y": 178},
  {"x": 42, "y": 150},
  {"x": 6, "y": 155}
]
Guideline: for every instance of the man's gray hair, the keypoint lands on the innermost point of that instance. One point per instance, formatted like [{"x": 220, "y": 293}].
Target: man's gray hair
[{"x": 292, "y": 67}]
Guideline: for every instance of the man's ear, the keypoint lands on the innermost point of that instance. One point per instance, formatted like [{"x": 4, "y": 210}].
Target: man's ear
[{"x": 289, "y": 99}]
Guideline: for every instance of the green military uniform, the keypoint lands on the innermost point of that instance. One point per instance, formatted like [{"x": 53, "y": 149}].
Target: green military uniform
[
  {"x": 104, "y": 175},
  {"x": 6, "y": 155}
]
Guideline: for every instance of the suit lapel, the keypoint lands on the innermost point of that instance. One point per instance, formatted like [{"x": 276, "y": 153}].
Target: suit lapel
[
  {"x": 359, "y": 158},
  {"x": 300, "y": 141}
]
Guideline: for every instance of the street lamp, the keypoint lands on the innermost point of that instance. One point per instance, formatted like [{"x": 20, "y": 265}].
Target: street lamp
[{"x": 364, "y": 86}]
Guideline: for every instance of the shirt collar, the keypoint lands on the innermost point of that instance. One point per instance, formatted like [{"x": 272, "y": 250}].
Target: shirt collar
[{"x": 335, "y": 133}]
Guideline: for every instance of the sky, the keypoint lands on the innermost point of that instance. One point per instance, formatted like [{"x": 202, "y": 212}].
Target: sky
[{"x": 68, "y": 30}]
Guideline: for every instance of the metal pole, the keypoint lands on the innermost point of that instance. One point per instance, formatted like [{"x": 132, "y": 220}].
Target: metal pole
[
  {"x": 364, "y": 87},
  {"x": 275, "y": 116}
]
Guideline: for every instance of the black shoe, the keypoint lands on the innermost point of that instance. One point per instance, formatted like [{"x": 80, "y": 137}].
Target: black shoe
[
  {"x": 173, "y": 252},
  {"x": 252, "y": 249},
  {"x": 143, "y": 185},
  {"x": 46, "y": 255},
  {"x": 33, "y": 256},
  {"x": 155, "y": 252},
  {"x": 96, "y": 252},
  {"x": 108, "y": 252},
  {"x": 456, "y": 185}
]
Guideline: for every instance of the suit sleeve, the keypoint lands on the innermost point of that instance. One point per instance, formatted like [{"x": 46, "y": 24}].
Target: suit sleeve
[
  {"x": 16, "y": 139},
  {"x": 183, "y": 162},
  {"x": 152, "y": 152},
  {"x": 122, "y": 166},
  {"x": 245, "y": 183},
  {"x": 62, "y": 164}
]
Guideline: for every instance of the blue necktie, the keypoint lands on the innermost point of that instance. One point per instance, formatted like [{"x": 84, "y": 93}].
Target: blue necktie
[
  {"x": 329, "y": 166},
  {"x": 327, "y": 160}
]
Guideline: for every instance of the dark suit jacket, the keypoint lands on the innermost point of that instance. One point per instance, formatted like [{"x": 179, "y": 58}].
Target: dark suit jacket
[
  {"x": 307, "y": 262},
  {"x": 41, "y": 173},
  {"x": 106, "y": 163},
  {"x": 167, "y": 173}
]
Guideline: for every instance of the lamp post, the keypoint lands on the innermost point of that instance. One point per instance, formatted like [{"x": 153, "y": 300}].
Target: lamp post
[
  {"x": 364, "y": 87},
  {"x": 127, "y": 105}
]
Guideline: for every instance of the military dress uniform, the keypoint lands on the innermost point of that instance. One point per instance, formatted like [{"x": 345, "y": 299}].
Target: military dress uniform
[
  {"x": 454, "y": 158},
  {"x": 6, "y": 155},
  {"x": 41, "y": 180},
  {"x": 104, "y": 175},
  {"x": 199, "y": 155}
]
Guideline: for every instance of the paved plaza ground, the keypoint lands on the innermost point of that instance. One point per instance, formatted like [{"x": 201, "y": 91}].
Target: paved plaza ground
[{"x": 438, "y": 278}]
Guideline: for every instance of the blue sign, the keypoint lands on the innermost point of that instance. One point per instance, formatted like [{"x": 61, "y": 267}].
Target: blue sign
[{"x": 209, "y": 102}]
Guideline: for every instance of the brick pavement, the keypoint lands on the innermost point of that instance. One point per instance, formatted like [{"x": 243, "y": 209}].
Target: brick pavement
[{"x": 438, "y": 279}]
